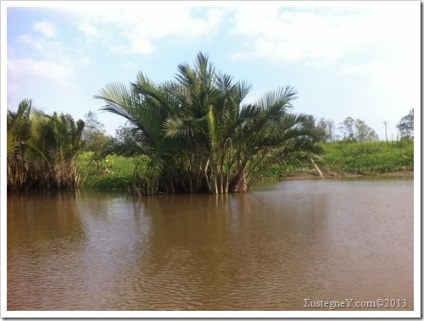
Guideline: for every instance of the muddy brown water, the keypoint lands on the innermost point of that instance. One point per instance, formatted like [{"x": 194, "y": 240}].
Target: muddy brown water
[{"x": 269, "y": 249}]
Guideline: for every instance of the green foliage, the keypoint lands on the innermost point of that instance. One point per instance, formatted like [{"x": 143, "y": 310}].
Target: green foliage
[
  {"x": 18, "y": 132},
  {"x": 318, "y": 129},
  {"x": 406, "y": 125},
  {"x": 94, "y": 137},
  {"x": 41, "y": 149},
  {"x": 368, "y": 158},
  {"x": 198, "y": 135},
  {"x": 110, "y": 172},
  {"x": 357, "y": 131}
]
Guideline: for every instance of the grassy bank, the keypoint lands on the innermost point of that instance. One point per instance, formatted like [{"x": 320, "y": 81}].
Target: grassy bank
[
  {"x": 347, "y": 158},
  {"x": 338, "y": 159},
  {"x": 369, "y": 158}
]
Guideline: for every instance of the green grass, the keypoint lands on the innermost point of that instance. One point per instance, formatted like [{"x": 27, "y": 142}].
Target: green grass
[
  {"x": 368, "y": 158},
  {"x": 344, "y": 158}
]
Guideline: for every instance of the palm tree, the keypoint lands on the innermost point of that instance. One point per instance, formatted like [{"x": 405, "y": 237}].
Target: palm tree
[
  {"x": 61, "y": 142},
  {"x": 146, "y": 107},
  {"x": 18, "y": 131},
  {"x": 42, "y": 149},
  {"x": 201, "y": 138}
]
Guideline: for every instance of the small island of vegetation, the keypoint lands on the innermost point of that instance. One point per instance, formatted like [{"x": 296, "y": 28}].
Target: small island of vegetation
[{"x": 192, "y": 134}]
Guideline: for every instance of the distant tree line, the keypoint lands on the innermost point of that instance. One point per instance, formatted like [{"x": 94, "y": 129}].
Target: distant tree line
[
  {"x": 352, "y": 130},
  {"x": 406, "y": 126},
  {"x": 356, "y": 130}
]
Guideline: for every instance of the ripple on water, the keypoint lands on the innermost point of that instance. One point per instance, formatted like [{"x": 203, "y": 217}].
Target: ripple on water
[{"x": 266, "y": 250}]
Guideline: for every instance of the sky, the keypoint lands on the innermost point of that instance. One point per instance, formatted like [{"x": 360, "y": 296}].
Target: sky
[{"x": 345, "y": 59}]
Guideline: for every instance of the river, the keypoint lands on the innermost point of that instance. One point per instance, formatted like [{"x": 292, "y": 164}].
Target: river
[{"x": 269, "y": 249}]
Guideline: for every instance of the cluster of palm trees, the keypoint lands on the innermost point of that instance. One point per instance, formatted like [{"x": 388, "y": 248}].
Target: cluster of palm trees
[
  {"x": 200, "y": 137},
  {"x": 41, "y": 149}
]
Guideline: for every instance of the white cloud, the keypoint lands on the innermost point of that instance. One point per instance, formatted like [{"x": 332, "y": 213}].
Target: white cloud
[
  {"x": 44, "y": 28},
  {"x": 375, "y": 48},
  {"x": 136, "y": 28},
  {"x": 39, "y": 43},
  {"x": 315, "y": 37},
  {"x": 88, "y": 29},
  {"x": 29, "y": 77},
  {"x": 29, "y": 68}
]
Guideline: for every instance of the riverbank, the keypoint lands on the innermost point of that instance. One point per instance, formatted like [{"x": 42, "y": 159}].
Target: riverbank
[
  {"x": 368, "y": 158},
  {"x": 338, "y": 160},
  {"x": 315, "y": 175}
]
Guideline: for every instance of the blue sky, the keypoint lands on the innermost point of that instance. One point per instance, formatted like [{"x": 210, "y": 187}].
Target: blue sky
[{"x": 358, "y": 59}]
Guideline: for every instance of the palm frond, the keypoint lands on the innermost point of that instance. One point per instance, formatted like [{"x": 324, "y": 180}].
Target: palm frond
[{"x": 281, "y": 97}]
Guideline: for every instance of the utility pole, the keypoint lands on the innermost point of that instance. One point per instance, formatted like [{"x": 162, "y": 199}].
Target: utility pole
[{"x": 385, "y": 126}]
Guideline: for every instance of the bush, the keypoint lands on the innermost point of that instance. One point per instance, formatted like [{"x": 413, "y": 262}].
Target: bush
[{"x": 111, "y": 172}]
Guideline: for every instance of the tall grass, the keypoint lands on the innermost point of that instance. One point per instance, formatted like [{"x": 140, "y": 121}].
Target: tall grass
[
  {"x": 368, "y": 158},
  {"x": 345, "y": 158}
]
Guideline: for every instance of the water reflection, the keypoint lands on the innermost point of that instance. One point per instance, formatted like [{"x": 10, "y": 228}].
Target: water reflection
[
  {"x": 32, "y": 217},
  {"x": 45, "y": 233},
  {"x": 265, "y": 250}
]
